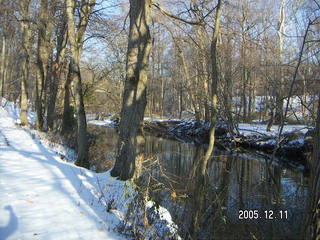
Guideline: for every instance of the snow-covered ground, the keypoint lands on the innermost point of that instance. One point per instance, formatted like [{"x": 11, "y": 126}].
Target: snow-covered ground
[
  {"x": 148, "y": 119},
  {"x": 246, "y": 129},
  {"x": 106, "y": 123},
  {"x": 44, "y": 197},
  {"x": 14, "y": 111}
]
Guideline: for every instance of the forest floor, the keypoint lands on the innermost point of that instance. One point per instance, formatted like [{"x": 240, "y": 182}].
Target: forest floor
[{"x": 43, "y": 197}]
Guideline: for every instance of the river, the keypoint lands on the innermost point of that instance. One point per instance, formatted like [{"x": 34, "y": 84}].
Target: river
[{"x": 242, "y": 196}]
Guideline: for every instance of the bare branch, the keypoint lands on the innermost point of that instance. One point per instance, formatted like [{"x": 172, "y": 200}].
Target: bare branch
[{"x": 171, "y": 15}]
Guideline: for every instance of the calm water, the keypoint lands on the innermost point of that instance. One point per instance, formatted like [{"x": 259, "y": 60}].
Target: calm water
[{"x": 210, "y": 207}]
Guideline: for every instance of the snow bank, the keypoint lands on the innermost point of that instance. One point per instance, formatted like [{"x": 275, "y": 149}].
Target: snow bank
[
  {"x": 246, "y": 129},
  {"x": 112, "y": 205},
  {"x": 14, "y": 111},
  {"x": 147, "y": 119},
  {"x": 106, "y": 123},
  {"x": 43, "y": 197},
  {"x": 63, "y": 151}
]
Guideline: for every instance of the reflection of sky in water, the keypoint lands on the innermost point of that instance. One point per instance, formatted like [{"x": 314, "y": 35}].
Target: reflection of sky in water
[{"x": 241, "y": 181}]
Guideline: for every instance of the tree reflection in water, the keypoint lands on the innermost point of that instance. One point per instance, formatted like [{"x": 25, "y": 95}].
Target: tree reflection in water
[{"x": 207, "y": 206}]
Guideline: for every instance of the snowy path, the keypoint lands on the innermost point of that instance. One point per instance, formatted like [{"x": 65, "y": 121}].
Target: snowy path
[{"x": 42, "y": 197}]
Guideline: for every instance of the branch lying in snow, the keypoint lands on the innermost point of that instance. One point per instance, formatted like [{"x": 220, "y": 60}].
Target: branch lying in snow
[{"x": 254, "y": 131}]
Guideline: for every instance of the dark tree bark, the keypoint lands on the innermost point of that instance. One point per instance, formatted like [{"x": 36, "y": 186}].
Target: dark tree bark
[
  {"x": 43, "y": 58},
  {"x": 134, "y": 98},
  {"x": 2, "y": 66},
  {"x": 313, "y": 218},
  {"x": 67, "y": 117},
  {"x": 57, "y": 69},
  {"x": 280, "y": 88},
  {"x": 227, "y": 90},
  {"x": 76, "y": 44},
  {"x": 24, "y": 9}
]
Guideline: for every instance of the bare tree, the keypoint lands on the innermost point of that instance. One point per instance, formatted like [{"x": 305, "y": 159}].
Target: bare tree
[
  {"x": 313, "y": 218},
  {"x": 134, "y": 98},
  {"x": 44, "y": 51},
  {"x": 76, "y": 37},
  {"x": 24, "y": 10},
  {"x": 58, "y": 65},
  {"x": 279, "y": 91},
  {"x": 214, "y": 87}
]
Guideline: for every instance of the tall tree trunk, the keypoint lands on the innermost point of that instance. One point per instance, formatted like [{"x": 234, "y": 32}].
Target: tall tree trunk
[
  {"x": 7, "y": 71},
  {"x": 180, "y": 98},
  {"x": 313, "y": 218},
  {"x": 279, "y": 91},
  {"x": 203, "y": 71},
  {"x": 42, "y": 61},
  {"x": 67, "y": 117},
  {"x": 82, "y": 137},
  {"x": 228, "y": 85},
  {"x": 244, "y": 93},
  {"x": 249, "y": 81},
  {"x": 38, "y": 103},
  {"x": 134, "y": 98},
  {"x": 24, "y": 9},
  {"x": 214, "y": 88},
  {"x": 76, "y": 43},
  {"x": 53, "y": 83},
  {"x": 57, "y": 69},
  {"x": 2, "y": 67}
]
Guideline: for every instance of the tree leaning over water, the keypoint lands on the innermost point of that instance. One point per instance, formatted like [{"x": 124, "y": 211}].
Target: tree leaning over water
[{"x": 214, "y": 87}]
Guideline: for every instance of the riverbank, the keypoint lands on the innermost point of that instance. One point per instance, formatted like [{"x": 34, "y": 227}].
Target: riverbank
[
  {"x": 44, "y": 195},
  {"x": 294, "y": 144}
]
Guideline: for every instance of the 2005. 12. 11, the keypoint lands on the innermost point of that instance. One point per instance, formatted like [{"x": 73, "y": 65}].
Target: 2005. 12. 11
[{"x": 268, "y": 214}]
